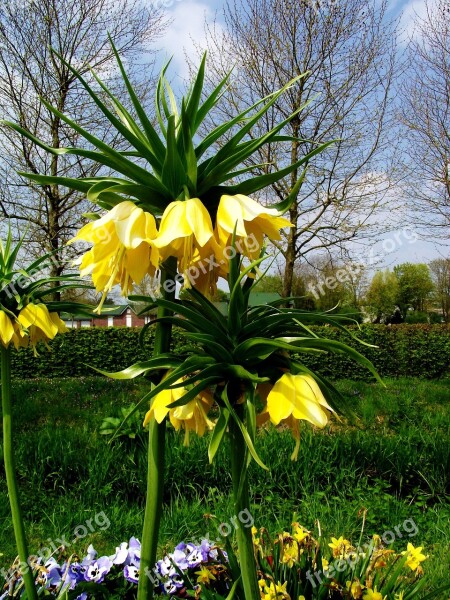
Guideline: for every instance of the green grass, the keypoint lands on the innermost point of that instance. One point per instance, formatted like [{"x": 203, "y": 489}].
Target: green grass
[{"x": 394, "y": 463}]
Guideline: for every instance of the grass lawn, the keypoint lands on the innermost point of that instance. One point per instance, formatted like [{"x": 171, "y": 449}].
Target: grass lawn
[{"x": 394, "y": 464}]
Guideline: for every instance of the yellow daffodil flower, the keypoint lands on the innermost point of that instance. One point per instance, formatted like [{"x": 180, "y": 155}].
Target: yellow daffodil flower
[
  {"x": 415, "y": 556},
  {"x": 186, "y": 232},
  {"x": 290, "y": 554},
  {"x": 325, "y": 564},
  {"x": 252, "y": 222},
  {"x": 339, "y": 546},
  {"x": 300, "y": 534},
  {"x": 275, "y": 592},
  {"x": 190, "y": 417},
  {"x": 123, "y": 251},
  {"x": 294, "y": 398},
  {"x": 355, "y": 589},
  {"x": 6, "y": 329},
  {"x": 373, "y": 595},
  {"x": 204, "y": 576}
]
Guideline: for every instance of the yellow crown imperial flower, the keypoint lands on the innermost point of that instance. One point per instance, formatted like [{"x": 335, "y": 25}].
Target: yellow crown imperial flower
[
  {"x": 6, "y": 329},
  {"x": 294, "y": 398},
  {"x": 186, "y": 232},
  {"x": 191, "y": 416},
  {"x": 37, "y": 325},
  {"x": 122, "y": 252},
  {"x": 252, "y": 222}
]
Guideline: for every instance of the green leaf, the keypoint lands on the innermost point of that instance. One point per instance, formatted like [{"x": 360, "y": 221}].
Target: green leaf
[
  {"x": 218, "y": 433},
  {"x": 173, "y": 174},
  {"x": 244, "y": 431},
  {"x": 162, "y": 361},
  {"x": 152, "y": 136}
]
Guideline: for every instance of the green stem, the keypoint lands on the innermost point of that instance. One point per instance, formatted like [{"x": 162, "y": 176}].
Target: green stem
[
  {"x": 156, "y": 456},
  {"x": 11, "y": 481},
  {"x": 241, "y": 507}
]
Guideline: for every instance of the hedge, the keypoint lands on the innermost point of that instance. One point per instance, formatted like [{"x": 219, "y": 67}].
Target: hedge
[{"x": 403, "y": 351}]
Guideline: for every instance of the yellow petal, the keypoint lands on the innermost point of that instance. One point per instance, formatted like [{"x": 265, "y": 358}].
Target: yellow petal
[
  {"x": 295, "y": 395},
  {"x": 38, "y": 315},
  {"x": 279, "y": 403},
  {"x": 199, "y": 221},
  {"x": 173, "y": 224},
  {"x": 6, "y": 329}
]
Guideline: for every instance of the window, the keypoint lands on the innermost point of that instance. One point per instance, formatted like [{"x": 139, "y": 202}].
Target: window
[
  {"x": 110, "y": 321},
  {"x": 85, "y": 323}
]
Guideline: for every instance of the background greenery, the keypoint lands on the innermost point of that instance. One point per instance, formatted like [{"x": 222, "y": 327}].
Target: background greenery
[
  {"x": 395, "y": 464},
  {"x": 403, "y": 350}
]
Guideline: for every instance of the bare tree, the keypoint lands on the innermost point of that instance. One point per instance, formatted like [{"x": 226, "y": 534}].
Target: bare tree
[
  {"x": 426, "y": 117},
  {"x": 347, "y": 50},
  {"x": 32, "y": 77}
]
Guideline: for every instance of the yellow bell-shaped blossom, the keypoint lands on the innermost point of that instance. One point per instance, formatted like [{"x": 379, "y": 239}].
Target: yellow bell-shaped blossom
[
  {"x": 252, "y": 222},
  {"x": 6, "y": 329},
  {"x": 190, "y": 417},
  {"x": 36, "y": 324},
  {"x": 186, "y": 232},
  {"x": 294, "y": 398},
  {"x": 122, "y": 252}
]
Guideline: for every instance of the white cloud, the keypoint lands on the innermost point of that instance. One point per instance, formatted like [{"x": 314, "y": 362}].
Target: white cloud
[
  {"x": 414, "y": 12},
  {"x": 186, "y": 34}
]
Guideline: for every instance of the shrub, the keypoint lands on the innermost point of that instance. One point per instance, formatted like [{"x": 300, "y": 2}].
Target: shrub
[{"x": 402, "y": 351}]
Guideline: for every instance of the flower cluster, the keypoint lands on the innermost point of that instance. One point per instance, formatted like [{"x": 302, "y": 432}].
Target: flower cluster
[
  {"x": 33, "y": 324},
  {"x": 127, "y": 244},
  {"x": 192, "y": 566},
  {"x": 295, "y": 566},
  {"x": 188, "y": 567},
  {"x": 292, "y": 398}
]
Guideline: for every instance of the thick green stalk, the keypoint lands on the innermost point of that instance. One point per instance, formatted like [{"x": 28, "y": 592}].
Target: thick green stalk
[
  {"x": 11, "y": 481},
  {"x": 238, "y": 451},
  {"x": 156, "y": 456}
]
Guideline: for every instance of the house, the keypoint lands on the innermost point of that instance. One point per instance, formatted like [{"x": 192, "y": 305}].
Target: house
[
  {"x": 113, "y": 316},
  {"x": 255, "y": 299}
]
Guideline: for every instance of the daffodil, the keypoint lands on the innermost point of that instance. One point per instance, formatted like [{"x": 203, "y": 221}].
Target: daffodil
[
  {"x": 252, "y": 222},
  {"x": 123, "y": 251},
  {"x": 186, "y": 232},
  {"x": 300, "y": 534},
  {"x": 355, "y": 589},
  {"x": 373, "y": 595},
  {"x": 290, "y": 554},
  {"x": 415, "y": 556},
  {"x": 204, "y": 576},
  {"x": 275, "y": 592},
  {"x": 339, "y": 546},
  {"x": 190, "y": 417},
  {"x": 294, "y": 398}
]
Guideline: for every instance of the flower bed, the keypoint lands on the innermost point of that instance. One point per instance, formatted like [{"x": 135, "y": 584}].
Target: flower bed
[{"x": 292, "y": 566}]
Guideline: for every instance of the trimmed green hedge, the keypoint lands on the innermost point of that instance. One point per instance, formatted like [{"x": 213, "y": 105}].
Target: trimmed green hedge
[{"x": 403, "y": 350}]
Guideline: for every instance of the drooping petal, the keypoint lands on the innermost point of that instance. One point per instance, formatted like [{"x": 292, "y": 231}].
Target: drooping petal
[{"x": 6, "y": 329}]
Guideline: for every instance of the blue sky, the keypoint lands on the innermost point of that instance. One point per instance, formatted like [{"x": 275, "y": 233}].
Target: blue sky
[{"x": 188, "y": 31}]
